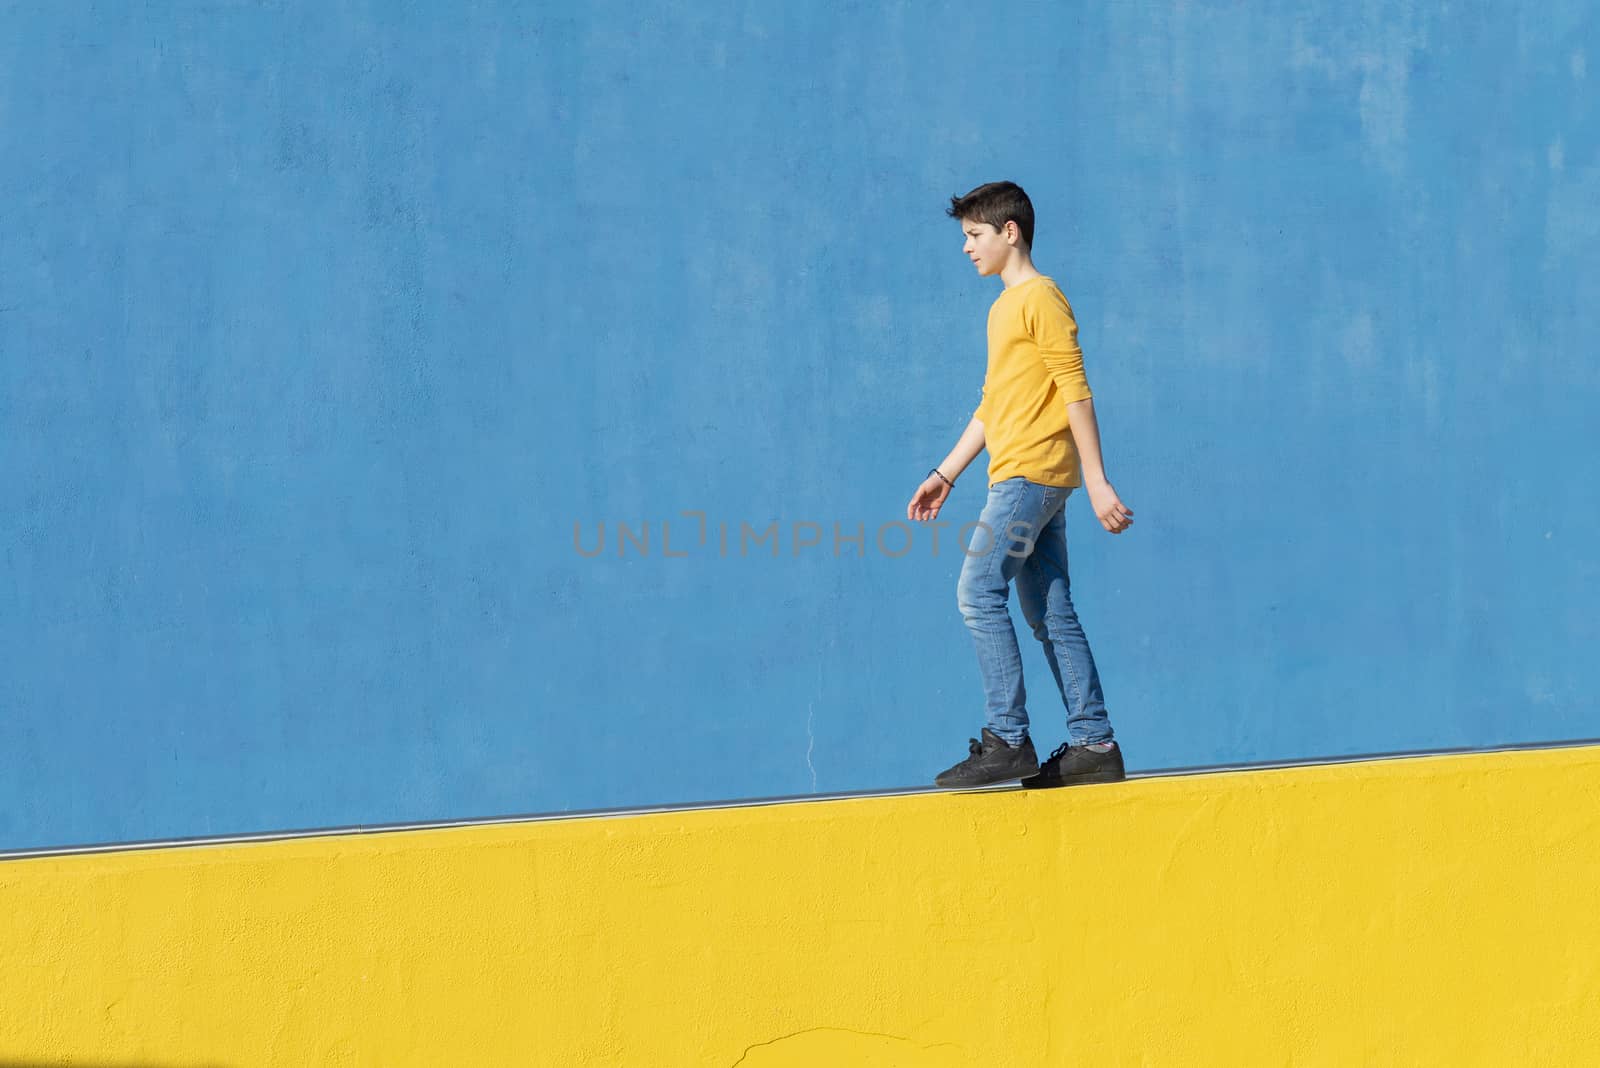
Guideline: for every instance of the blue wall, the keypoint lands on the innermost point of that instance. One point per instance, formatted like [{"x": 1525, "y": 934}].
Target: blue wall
[{"x": 322, "y": 329}]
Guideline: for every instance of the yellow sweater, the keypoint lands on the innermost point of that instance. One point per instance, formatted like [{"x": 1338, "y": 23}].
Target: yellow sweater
[{"x": 1035, "y": 371}]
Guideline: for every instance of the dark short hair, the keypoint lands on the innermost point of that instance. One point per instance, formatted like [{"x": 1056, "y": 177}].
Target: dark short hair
[{"x": 996, "y": 203}]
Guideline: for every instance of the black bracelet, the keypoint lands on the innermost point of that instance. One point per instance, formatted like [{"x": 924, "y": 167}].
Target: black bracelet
[{"x": 940, "y": 473}]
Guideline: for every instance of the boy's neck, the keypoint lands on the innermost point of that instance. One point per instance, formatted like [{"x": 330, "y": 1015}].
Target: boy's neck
[{"x": 1017, "y": 272}]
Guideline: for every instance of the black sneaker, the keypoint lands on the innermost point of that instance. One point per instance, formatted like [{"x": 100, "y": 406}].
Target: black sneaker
[
  {"x": 1072, "y": 764},
  {"x": 992, "y": 761}
]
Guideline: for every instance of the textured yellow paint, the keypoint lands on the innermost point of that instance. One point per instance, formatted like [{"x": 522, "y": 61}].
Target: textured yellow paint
[{"x": 1438, "y": 910}]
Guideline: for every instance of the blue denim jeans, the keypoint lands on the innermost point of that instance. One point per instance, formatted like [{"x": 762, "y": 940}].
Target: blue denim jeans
[{"x": 1022, "y": 535}]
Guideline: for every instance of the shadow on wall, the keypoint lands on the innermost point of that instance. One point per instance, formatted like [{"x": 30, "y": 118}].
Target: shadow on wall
[{"x": 68, "y": 1061}]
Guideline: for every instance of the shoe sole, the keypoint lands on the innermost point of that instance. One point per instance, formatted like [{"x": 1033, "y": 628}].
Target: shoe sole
[
  {"x": 1039, "y": 782},
  {"x": 1018, "y": 777}
]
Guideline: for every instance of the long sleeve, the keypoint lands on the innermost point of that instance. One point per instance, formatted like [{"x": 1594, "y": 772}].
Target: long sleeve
[{"x": 1049, "y": 320}]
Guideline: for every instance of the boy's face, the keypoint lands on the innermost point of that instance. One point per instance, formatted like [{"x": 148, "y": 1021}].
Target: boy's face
[{"x": 986, "y": 247}]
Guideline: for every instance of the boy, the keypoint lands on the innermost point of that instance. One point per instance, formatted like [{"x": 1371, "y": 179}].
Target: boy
[{"x": 1036, "y": 418}]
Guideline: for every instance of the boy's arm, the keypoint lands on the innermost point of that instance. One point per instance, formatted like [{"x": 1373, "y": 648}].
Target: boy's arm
[
  {"x": 1108, "y": 507},
  {"x": 930, "y": 496},
  {"x": 1048, "y": 318},
  {"x": 967, "y": 449}
]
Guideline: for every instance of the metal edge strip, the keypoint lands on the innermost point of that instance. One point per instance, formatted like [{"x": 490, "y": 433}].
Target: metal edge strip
[{"x": 749, "y": 802}]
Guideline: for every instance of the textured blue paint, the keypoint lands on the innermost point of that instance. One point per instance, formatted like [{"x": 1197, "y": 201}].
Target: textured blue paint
[{"x": 321, "y": 326}]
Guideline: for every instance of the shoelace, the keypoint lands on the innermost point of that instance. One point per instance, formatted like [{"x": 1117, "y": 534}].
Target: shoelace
[
  {"x": 974, "y": 747},
  {"x": 1058, "y": 751}
]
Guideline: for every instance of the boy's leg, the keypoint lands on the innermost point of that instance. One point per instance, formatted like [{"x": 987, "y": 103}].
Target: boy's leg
[
  {"x": 1044, "y": 592},
  {"x": 1000, "y": 541},
  {"x": 1006, "y": 530}
]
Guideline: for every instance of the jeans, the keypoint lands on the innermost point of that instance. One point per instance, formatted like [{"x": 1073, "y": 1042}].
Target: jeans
[{"x": 1022, "y": 535}]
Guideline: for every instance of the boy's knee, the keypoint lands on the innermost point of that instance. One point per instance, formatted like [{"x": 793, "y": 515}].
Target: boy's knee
[{"x": 973, "y": 597}]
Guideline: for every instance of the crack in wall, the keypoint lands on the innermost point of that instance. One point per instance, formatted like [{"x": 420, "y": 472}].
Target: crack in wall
[
  {"x": 811, "y": 743},
  {"x": 838, "y": 1030}
]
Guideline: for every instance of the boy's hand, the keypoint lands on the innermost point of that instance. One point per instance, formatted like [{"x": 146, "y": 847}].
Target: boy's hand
[
  {"x": 928, "y": 499},
  {"x": 1108, "y": 507}
]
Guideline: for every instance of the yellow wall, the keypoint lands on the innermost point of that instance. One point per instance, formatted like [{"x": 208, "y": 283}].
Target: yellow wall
[{"x": 1439, "y": 910}]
